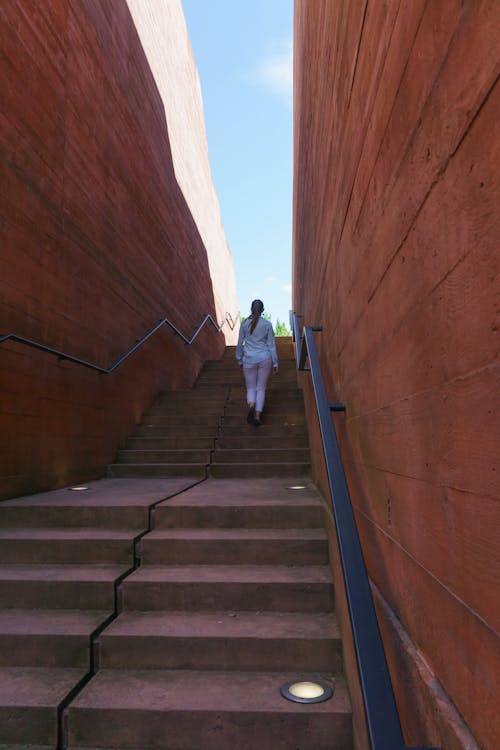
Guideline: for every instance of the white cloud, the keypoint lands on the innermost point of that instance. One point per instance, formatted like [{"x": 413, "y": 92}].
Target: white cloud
[
  {"x": 270, "y": 279},
  {"x": 287, "y": 288},
  {"x": 275, "y": 71}
]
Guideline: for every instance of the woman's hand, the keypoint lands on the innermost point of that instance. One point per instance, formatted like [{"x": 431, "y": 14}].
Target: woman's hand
[{"x": 275, "y": 369}]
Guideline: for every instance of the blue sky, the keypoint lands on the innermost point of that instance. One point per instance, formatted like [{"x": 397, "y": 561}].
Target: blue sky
[{"x": 243, "y": 50}]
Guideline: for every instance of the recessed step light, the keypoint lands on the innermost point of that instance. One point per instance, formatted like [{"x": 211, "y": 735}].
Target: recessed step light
[{"x": 304, "y": 691}]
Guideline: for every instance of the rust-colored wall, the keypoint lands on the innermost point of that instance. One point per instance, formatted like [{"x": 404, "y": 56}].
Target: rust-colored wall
[
  {"x": 97, "y": 242},
  {"x": 396, "y": 254}
]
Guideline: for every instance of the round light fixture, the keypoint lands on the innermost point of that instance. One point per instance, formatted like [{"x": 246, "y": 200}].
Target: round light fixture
[
  {"x": 305, "y": 691},
  {"x": 78, "y": 488},
  {"x": 297, "y": 487}
]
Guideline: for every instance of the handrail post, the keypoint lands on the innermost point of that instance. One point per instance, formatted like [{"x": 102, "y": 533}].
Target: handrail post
[
  {"x": 296, "y": 335},
  {"x": 300, "y": 350}
]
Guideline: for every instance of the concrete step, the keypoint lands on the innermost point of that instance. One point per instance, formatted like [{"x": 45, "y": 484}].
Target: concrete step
[
  {"x": 194, "y": 398},
  {"x": 286, "y": 367},
  {"x": 166, "y": 429},
  {"x": 257, "y": 587},
  {"x": 29, "y": 698},
  {"x": 200, "y": 406},
  {"x": 229, "y": 503},
  {"x": 218, "y": 394},
  {"x": 240, "y": 408},
  {"x": 72, "y": 516},
  {"x": 59, "y": 545},
  {"x": 222, "y": 640},
  {"x": 236, "y": 379},
  {"x": 231, "y": 371},
  {"x": 187, "y": 411},
  {"x": 237, "y": 516},
  {"x": 261, "y": 455},
  {"x": 47, "y": 638},
  {"x": 175, "y": 442},
  {"x": 285, "y": 419},
  {"x": 192, "y": 419},
  {"x": 184, "y": 456},
  {"x": 10, "y": 746},
  {"x": 59, "y": 586},
  {"x": 235, "y": 547},
  {"x": 274, "y": 393},
  {"x": 279, "y": 393},
  {"x": 233, "y": 375},
  {"x": 211, "y": 710},
  {"x": 257, "y": 439},
  {"x": 107, "y": 503},
  {"x": 242, "y": 429},
  {"x": 268, "y": 418},
  {"x": 157, "y": 470},
  {"x": 252, "y": 470}
]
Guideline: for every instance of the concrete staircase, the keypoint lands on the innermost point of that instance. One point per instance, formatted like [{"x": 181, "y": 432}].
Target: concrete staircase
[
  {"x": 62, "y": 556},
  {"x": 203, "y": 431},
  {"x": 165, "y": 612}
]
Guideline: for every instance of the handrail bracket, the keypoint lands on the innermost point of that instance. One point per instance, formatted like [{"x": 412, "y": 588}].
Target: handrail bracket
[{"x": 337, "y": 407}]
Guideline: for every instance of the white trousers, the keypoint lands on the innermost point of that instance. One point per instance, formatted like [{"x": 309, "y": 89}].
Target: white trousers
[{"x": 256, "y": 377}]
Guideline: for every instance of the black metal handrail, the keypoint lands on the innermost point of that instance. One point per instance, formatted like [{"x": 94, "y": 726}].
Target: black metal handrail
[
  {"x": 107, "y": 370},
  {"x": 384, "y": 728}
]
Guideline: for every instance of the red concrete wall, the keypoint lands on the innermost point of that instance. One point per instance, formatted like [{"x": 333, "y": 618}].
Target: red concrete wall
[
  {"x": 396, "y": 254},
  {"x": 97, "y": 243}
]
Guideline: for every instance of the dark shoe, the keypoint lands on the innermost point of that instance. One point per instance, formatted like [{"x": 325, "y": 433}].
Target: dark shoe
[
  {"x": 250, "y": 415},
  {"x": 257, "y": 422}
]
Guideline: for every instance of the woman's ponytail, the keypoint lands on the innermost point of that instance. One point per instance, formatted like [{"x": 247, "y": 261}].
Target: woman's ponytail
[{"x": 257, "y": 308}]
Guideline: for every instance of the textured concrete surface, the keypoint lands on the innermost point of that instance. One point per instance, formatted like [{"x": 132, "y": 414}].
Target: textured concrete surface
[
  {"x": 47, "y": 638},
  {"x": 223, "y": 592},
  {"x": 52, "y": 604},
  {"x": 191, "y": 635},
  {"x": 396, "y": 242},
  {"x": 223, "y": 639},
  {"x": 60, "y": 546},
  {"x": 182, "y": 709},
  {"x": 240, "y": 546},
  {"x": 166, "y": 43},
  {"x": 60, "y": 586},
  {"x": 110, "y": 224},
  {"x": 305, "y": 588},
  {"x": 29, "y": 699},
  {"x": 107, "y": 503},
  {"x": 216, "y": 407}
]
